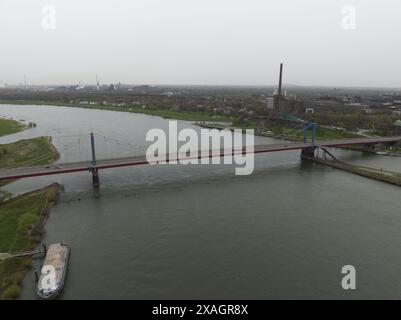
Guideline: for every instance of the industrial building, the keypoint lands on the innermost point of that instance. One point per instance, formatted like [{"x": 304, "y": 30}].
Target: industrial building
[{"x": 283, "y": 105}]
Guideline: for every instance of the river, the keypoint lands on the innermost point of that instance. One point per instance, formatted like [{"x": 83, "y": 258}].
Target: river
[{"x": 200, "y": 232}]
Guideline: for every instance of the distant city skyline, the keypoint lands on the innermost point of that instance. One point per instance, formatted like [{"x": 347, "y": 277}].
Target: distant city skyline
[
  {"x": 286, "y": 86},
  {"x": 188, "y": 42}
]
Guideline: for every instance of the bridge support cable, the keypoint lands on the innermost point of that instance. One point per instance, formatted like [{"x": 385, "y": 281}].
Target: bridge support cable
[
  {"x": 329, "y": 153},
  {"x": 126, "y": 145}
]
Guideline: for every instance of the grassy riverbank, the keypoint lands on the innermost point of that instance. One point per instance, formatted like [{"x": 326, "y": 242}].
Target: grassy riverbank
[
  {"x": 10, "y": 127},
  {"x": 28, "y": 152},
  {"x": 22, "y": 218},
  {"x": 164, "y": 113},
  {"x": 35, "y": 151},
  {"x": 21, "y": 227}
]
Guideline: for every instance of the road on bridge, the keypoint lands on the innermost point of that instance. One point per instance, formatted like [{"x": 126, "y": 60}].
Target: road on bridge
[{"x": 25, "y": 172}]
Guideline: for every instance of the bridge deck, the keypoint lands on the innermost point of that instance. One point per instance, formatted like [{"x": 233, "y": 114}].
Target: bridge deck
[{"x": 25, "y": 172}]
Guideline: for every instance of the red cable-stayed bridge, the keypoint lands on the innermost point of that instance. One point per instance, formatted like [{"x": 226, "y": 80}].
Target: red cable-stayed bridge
[{"x": 95, "y": 165}]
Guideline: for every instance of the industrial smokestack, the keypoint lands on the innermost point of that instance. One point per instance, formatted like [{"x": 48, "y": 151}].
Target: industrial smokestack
[
  {"x": 277, "y": 97},
  {"x": 280, "y": 80}
]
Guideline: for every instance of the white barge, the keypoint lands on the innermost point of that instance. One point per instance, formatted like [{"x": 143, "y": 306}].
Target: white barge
[{"x": 57, "y": 256}]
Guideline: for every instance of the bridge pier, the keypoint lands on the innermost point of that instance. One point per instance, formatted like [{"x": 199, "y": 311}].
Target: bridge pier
[
  {"x": 308, "y": 153},
  {"x": 95, "y": 177},
  {"x": 370, "y": 146}
]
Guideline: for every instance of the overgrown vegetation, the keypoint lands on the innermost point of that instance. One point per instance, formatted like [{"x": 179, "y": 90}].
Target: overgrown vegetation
[
  {"x": 22, "y": 218},
  {"x": 352, "y": 119},
  {"x": 21, "y": 226}
]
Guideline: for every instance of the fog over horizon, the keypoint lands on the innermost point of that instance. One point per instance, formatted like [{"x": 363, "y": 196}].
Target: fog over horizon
[{"x": 201, "y": 42}]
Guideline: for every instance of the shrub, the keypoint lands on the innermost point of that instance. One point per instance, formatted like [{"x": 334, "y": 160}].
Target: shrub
[
  {"x": 17, "y": 277},
  {"x": 11, "y": 292},
  {"x": 52, "y": 194}
]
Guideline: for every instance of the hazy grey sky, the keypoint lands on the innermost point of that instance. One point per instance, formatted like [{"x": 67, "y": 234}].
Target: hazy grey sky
[{"x": 233, "y": 42}]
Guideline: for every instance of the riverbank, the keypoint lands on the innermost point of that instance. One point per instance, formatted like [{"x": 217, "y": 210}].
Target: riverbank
[
  {"x": 10, "y": 126},
  {"x": 285, "y": 132},
  {"x": 375, "y": 174},
  {"x": 22, "y": 218},
  {"x": 29, "y": 152},
  {"x": 391, "y": 151},
  {"x": 278, "y": 129},
  {"x": 21, "y": 227},
  {"x": 163, "y": 113}
]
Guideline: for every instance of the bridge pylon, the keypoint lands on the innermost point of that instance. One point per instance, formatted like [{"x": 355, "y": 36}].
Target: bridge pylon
[
  {"x": 308, "y": 153},
  {"x": 311, "y": 126},
  {"x": 93, "y": 169}
]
